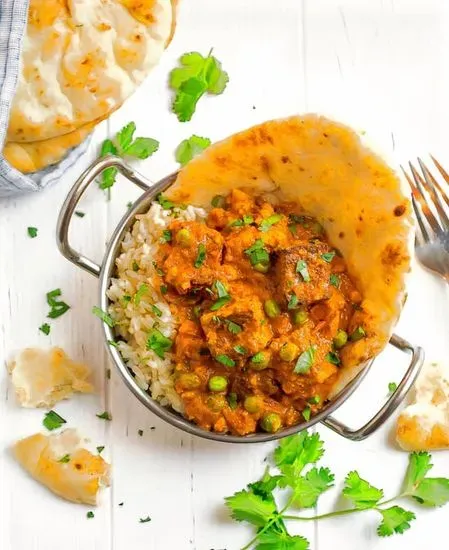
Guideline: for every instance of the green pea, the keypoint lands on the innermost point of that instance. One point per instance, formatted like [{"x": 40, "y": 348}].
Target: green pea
[
  {"x": 340, "y": 339},
  {"x": 271, "y": 308},
  {"x": 217, "y": 383},
  {"x": 262, "y": 268},
  {"x": 252, "y": 404},
  {"x": 218, "y": 201},
  {"x": 216, "y": 402},
  {"x": 184, "y": 238},
  {"x": 289, "y": 351},
  {"x": 358, "y": 334},
  {"x": 189, "y": 381},
  {"x": 300, "y": 316},
  {"x": 261, "y": 360},
  {"x": 271, "y": 423}
]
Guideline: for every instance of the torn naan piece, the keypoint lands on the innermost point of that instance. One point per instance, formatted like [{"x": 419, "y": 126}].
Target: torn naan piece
[
  {"x": 60, "y": 463},
  {"x": 424, "y": 424},
  {"x": 41, "y": 378}
]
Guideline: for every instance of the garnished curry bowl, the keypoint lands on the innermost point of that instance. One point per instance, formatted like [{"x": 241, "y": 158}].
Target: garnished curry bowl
[{"x": 252, "y": 290}]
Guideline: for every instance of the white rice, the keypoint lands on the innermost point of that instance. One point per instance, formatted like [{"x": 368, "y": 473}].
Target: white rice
[{"x": 133, "y": 322}]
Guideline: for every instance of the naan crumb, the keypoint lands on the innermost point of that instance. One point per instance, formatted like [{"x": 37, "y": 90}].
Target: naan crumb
[{"x": 41, "y": 378}]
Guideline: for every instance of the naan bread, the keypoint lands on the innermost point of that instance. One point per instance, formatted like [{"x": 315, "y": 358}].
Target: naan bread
[
  {"x": 424, "y": 424},
  {"x": 36, "y": 155},
  {"x": 326, "y": 168},
  {"x": 41, "y": 378},
  {"x": 78, "y": 477},
  {"x": 81, "y": 59}
]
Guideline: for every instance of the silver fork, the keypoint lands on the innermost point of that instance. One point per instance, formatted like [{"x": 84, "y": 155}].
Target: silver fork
[{"x": 430, "y": 200}]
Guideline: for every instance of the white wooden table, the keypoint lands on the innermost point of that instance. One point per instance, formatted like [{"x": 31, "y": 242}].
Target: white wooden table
[{"x": 381, "y": 65}]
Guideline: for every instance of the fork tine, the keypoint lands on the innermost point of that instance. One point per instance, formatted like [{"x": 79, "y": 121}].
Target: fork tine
[
  {"x": 445, "y": 176},
  {"x": 431, "y": 187},
  {"x": 418, "y": 191},
  {"x": 423, "y": 234}
]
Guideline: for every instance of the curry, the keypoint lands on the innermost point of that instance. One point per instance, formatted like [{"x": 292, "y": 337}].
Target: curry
[{"x": 264, "y": 306}]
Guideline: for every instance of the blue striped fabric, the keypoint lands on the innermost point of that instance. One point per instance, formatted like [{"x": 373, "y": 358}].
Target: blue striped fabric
[{"x": 13, "y": 18}]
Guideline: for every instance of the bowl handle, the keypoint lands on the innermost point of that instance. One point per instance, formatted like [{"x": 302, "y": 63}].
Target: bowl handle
[
  {"x": 394, "y": 400},
  {"x": 71, "y": 202}
]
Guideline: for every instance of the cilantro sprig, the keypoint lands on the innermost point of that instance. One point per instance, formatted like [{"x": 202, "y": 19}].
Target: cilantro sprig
[
  {"x": 125, "y": 144},
  {"x": 300, "y": 483},
  {"x": 197, "y": 76}
]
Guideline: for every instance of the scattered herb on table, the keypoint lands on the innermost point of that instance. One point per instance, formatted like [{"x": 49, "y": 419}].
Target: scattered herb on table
[
  {"x": 45, "y": 328},
  {"x": 120, "y": 503},
  {"x": 125, "y": 144},
  {"x": 104, "y": 416},
  {"x": 392, "y": 387},
  {"x": 158, "y": 343},
  {"x": 32, "y": 232},
  {"x": 100, "y": 449},
  {"x": 90, "y": 515},
  {"x": 301, "y": 483},
  {"x": 129, "y": 205},
  {"x": 58, "y": 307},
  {"x": 145, "y": 520},
  {"x": 79, "y": 214},
  {"x": 190, "y": 148},
  {"x": 52, "y": 421},
  {"x": 64, "y": 459},
  {"x": 197, "y": 76},
  {"x": 105, "y": 317}
]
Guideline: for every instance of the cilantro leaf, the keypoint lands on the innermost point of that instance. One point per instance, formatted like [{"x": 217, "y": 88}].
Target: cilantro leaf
[
  {"x": 105, "y": 317},
  {"x": 392, "y": 387},
  {"x": 257, "y": 253},
  {"x": 301, "y": 268},
  {"x": 52, "y": 421},
  {"x": 145, "y": 520},
  {"x": 334, "y": 280},
  {"x": 45, "y": 328},
  {"x": 328, "y": 256},
  {"x": 190, "y": 148},
  {"x": 268, "y": 222},
  {"x": 107, "y": 178},
  {"x": 196, "y": 76},
  {"x": 225, "y": 360},
  {"x": 233, "y": 328},
  {"x": 305, "y": 361},
  {"x": 125, "y": 136},
  {"x": 32, "y": 232},
  {"x": 307, "y": 489},
  {"x": 104, "y": 416},
  {"x": 274, "y": 540},
  {"x": 58, "y": 307},
  {"x": 141, "y": 291},
  {"x": 247, "y": 506},
  {"x": 432, "y": 491},
  {"x": 298, "y": 450},
  {"x": 418, "y": 466},
  {"x": 362, "y": 494},
  {"x": 64, "y": 459},
  {"x": 265, "y": 486},
  {"x": 201, "y": 256},
  {"x": 142, "y": 148},
  {"x": 394, "y": 520},
  {"x": 158, "y": 343}
]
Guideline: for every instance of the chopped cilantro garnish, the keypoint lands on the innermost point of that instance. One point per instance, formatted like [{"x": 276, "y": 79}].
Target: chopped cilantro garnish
[
  {"x": 219, "y": 201},
  {"x": 100, "y": 449},
  {"x": 104, "y": 416},
  {"x": 52, "y": 421},
  {"x": 392, "y": 387},
  {"x": 240, "y": 349},
  {"x": 158, "y": 269},
  {"x": 45, "y": 328},
  {"x": 293, "y": 229},
  {"x": 129, "y": 205},
  {"x": 107, "y": 177},
  {"x": 301, "y": 268},
  {"x": 166, "y": 236},
  {"x": 232, "y": 400},
  {"x": 201, "y": 255},
  {"x": 145, "y": 520},
  {"x": 90, "y": 515},
  {"x": 221, "y": 289},
  {"x": 334, "y": 280},
  {"x": 141, "y": 291},
  {"x": 306, "y": 413},
  {"x": 240, "y": 222},
  {"x": 79, "y": 214},
  {"x": 158, "y": 343},
  {"x": 190, "y": 148},
  {"x": 163, "y": 289},
  {"x": 197, "y": 76},
  {"x": 164, "y": 202},
  {"x": 32, "y": 232},
  {"x": 156, "y": 311},
  {"x": 225, "y": 360},
  {"x": 314, "y": 400},
  {"x": 135, "y": 266},
  {"x": 58, "y": 308},
  {"x": 220, "y": 303},
  {"x": 126, "y": 298},
  {"x": 64, "y": 459},
  {"x": 257, "y": 253},
  {"x": 305, "y": 361},
  {"x": 233, "y": 328},
  {"x": 258, "y": 357},
  {"x": 268, "y": 222},
  {"x": 105, "y": 317},
  {"x": 333, "y": 357},
  {"x": 328, "y": 256},
  {"x": 292, "y": 302},
  {"x": 358, "y": 334}
]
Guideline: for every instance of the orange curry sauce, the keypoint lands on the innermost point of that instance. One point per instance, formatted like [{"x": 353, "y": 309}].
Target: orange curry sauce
[{"x": 264, "y": 304}]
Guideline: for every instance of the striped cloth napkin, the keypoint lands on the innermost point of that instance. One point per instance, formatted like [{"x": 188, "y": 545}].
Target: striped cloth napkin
[{"x": 13, "y": 20}]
